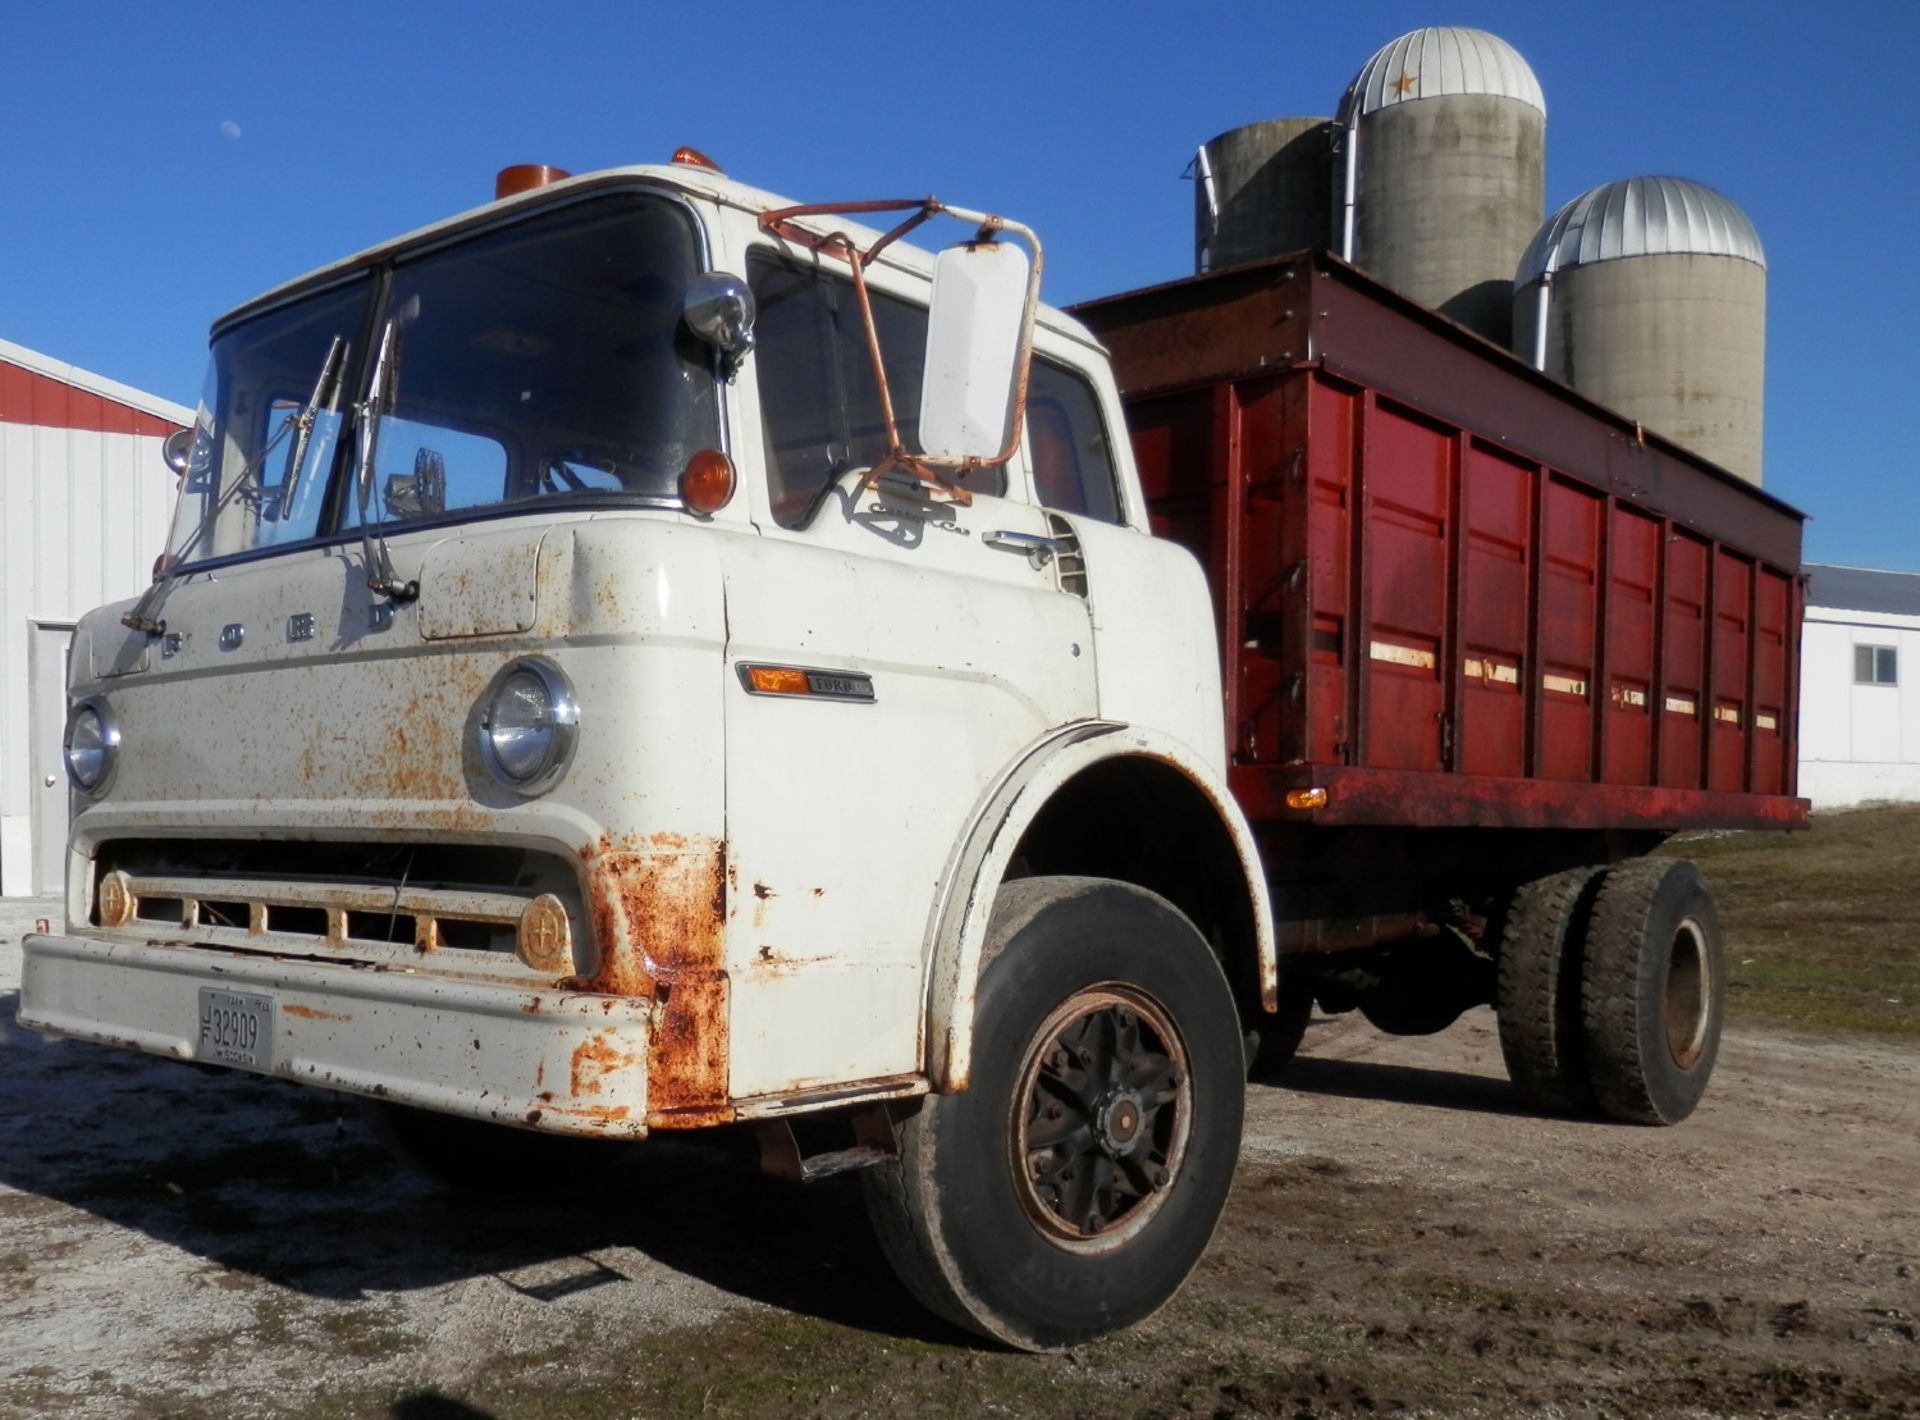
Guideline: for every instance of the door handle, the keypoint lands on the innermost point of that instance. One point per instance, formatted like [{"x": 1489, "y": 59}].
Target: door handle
[{"x": 1039, "y": 550}]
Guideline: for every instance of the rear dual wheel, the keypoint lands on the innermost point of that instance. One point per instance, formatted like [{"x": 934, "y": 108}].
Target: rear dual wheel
[
  {"x": 1612, "y": 990},
  {"x": 1654, "y": 991},
  {"x": 1070, "y": 1189}
]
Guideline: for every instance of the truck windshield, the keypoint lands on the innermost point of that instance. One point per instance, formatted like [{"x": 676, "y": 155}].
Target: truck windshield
[{"x": 543, "y": 363}]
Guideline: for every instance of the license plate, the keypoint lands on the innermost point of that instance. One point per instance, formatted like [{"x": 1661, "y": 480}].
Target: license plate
[{"x": 235, "y": 1029}]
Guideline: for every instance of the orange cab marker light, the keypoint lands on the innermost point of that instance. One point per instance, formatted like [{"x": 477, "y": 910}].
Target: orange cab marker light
[
  {"x": 707, "y": 482},
  {"x": 1306, "y": 798},
  {"x": 525, "y": 177},
  {"x": 778, "y": 680},
  {"x": 694, "y": 158}
]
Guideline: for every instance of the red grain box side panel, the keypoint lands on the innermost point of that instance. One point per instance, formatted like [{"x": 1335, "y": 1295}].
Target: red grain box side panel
[
  {"x": 1683, "y": 666},
  {"x": 1451, "y": 591},
  {"x": 1569, "y": 617},
  {"x": 1498, "y": 553},
  {"x": 1406, "y": 474},
  {"x": 1627, "y": 703}
]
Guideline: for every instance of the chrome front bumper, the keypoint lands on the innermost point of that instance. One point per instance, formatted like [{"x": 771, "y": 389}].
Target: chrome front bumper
[{"x": 552, "y": 1060}]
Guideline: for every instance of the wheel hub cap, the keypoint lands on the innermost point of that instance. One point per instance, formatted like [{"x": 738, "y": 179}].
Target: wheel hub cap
[{"x": 1100, "y": 1117}]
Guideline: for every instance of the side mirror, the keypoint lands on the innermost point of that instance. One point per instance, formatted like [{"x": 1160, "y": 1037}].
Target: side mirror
[
  {"x": 973, "y": 342},
  {"x": 177, "y": 451},
  {"x": 718, "y": 307}
]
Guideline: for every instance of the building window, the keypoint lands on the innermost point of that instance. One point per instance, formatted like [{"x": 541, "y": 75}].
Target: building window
[{"x": 1876, "y": 665}]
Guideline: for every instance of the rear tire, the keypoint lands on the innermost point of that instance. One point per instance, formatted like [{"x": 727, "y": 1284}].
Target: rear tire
[
  {"x": 475, "y": 1157},
  {"x": 1070, "y": 1189},
  {"x": 1538, "y": 1007},
  {"x": 1276, "y": 1038},
  {"x": 1654, "y": 993}
]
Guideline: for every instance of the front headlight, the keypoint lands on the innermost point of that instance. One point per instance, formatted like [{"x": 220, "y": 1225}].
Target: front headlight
[
  {"x": 91, "y": 745},
  {"x": 528, "y": 723}
]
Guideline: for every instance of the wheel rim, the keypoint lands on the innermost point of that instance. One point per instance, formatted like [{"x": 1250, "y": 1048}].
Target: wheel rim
[
  {"x": 1100, "y": 1118},
  {"x": 1689, "y": 994}
]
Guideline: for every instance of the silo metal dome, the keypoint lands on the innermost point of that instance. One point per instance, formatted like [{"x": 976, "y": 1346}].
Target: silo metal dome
[
  {"x": 1642, "y": 216},
  {"x": 1442, "y": 60},
  {"x": 1650, "y": 295},
  {"x": 1443, "y": 134}
]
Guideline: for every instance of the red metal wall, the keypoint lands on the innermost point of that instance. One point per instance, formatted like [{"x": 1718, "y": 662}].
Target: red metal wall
[{"x": 1408, "y": 599}]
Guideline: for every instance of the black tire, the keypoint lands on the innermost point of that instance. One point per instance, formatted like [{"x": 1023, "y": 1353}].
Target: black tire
[
  {"x": 1276, "y": 1038},
  {"x": 486, "y": 1160},
  {"x": 1654, "y": 991},
  {"x": 1542, "y": 948},
  {"x": 1027, "y": 1255}
]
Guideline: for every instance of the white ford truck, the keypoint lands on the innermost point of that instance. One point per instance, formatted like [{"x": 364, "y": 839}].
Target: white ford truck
[{"x": 621, "y": 664}]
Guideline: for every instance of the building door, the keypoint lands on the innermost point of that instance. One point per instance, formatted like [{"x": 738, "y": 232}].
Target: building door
[{"x": 47, "y": 681}]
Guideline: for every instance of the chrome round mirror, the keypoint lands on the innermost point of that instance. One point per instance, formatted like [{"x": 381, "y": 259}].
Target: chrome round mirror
[
  {"x": 177, "y": 451},
  {"x": 718, "y": 307}
]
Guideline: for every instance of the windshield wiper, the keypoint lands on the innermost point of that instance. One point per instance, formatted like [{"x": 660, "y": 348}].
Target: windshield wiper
[
  {"x": 381, "y": 577},
  {"x": 141, "y": 616},
  {"x": 327, "y": 389}
]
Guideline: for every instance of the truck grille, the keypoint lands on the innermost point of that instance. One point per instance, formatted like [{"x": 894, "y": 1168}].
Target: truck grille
[{"x": 321, "y": 900}]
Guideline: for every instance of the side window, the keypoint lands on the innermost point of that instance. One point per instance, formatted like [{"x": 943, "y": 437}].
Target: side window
[
  {"x": 1876, "y": 665},
  {"x": 819, "y": 404},
  {"x": 1073, "y": 467}
]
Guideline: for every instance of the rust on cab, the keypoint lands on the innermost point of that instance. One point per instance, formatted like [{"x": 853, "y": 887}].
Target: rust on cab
[{"x": 658, "y": 907}]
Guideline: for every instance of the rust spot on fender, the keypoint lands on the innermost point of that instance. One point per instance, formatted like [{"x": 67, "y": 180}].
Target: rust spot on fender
[
  {"x": 601, "y": 1055},
  {"x": 658, "y": 905}
]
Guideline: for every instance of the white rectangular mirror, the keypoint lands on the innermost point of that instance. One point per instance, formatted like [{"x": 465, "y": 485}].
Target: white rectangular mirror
[{"x": 973, "y": 340}]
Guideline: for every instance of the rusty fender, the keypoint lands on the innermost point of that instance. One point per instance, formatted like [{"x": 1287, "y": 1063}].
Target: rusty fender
[
  {"x": 981, "y": 858},
  {"x": 658, "y": 906}
]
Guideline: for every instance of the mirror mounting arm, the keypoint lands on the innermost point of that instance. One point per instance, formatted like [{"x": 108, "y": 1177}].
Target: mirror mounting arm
[{"x": 939, "y": 473}]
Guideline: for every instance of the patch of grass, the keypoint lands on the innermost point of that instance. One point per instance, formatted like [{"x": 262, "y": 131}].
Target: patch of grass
[
  {"x": 363, "y": 1332},
  {"x": 761, "y": 1363},
  {"x": 1823, "y": 927}
]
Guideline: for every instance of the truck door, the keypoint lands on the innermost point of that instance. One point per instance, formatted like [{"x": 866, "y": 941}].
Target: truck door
[{"x": 906, "y": 655}]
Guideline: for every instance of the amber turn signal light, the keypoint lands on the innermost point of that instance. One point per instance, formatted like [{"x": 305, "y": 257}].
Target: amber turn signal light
[
  {"x": 777, "y": 680},
  {"x": 1306, "y": 798},
  {"x": 694, "y": 158},
  {"x": 707, "y": 482}
]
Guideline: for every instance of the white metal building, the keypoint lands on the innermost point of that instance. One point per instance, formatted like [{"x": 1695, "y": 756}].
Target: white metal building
[
  {"x": 84, "y": 504},
  {"x": 1860, "y": 687}
]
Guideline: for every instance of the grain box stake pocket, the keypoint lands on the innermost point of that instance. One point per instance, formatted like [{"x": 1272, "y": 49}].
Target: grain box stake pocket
[{"x": 235, "y": 1029}]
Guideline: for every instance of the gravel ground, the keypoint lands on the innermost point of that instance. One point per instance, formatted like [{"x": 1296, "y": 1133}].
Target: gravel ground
[{"x": 1405, "y": 1237}]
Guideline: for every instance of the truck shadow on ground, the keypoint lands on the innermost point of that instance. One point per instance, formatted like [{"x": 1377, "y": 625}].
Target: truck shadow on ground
[
  {"x": 1401, "y": 1084},
  {"x": 287, "y": 1185}
]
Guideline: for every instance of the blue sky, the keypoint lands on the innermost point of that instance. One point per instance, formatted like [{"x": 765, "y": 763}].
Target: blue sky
[{"x": 166, "y": 162}]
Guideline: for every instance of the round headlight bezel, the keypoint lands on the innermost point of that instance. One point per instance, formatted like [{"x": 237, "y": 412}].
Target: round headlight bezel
[
  {"x": 562, "y": 720},
  {"x": 109, "y": 745}
]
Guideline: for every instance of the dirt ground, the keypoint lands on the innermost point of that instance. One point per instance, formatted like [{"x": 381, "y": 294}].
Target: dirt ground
[{"x": 1405, "y": 1238}]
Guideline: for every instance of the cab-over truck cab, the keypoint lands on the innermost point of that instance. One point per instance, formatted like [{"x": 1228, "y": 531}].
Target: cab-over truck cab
[{"x": 574, "y": 703}]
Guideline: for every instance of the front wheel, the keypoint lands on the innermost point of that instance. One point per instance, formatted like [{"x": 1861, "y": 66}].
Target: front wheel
[{"x": 1072, "y": 1187}]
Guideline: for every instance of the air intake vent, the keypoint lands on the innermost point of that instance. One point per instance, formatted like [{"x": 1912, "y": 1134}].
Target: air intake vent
[{"x": 1067, "y": 556}]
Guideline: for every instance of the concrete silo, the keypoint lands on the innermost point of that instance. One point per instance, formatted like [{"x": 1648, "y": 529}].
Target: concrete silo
[
  {"x": 1443, "y": 137},
  {"x": 1650, "y": 296},
  {"x": 1262, "y": 189}
]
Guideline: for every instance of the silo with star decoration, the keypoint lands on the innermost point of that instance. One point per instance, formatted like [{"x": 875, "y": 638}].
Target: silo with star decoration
[{"x": 1439, "y": 178}]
